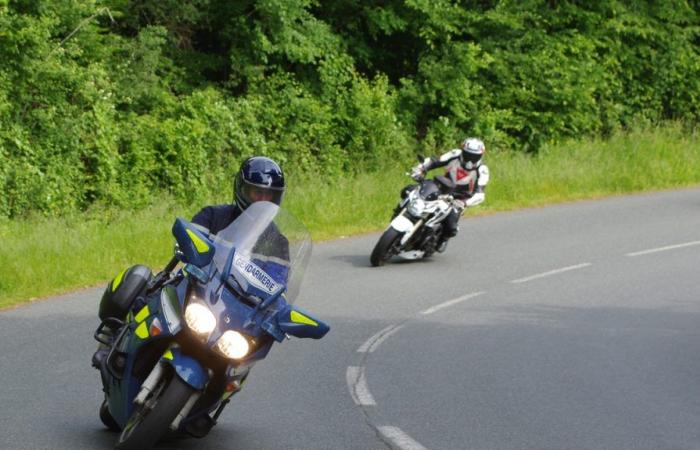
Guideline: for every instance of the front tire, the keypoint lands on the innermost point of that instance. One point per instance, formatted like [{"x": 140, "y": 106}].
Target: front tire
[
  {"x": 146, "y": 427},
  {"x": 107, "y": 419},
  {"x": 383, "y": 250}
]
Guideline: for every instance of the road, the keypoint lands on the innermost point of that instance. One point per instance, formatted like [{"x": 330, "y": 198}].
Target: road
[{"x": 571, "y": 326}]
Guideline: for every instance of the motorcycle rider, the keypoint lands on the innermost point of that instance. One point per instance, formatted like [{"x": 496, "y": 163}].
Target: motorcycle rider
[
  {"x": 258, "y": 179},
  {"x": 465, "y": 168}
]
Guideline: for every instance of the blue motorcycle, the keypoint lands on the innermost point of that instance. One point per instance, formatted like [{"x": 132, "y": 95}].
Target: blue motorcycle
[{"x": 176, "y": 347}]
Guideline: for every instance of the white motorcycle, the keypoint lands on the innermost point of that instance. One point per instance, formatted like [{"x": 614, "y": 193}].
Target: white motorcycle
[{"x": 416, "y": 227}]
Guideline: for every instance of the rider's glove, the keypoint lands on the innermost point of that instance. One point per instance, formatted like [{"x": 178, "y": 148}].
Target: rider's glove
[
  {"x": 459, "y": 205},
  {"x": 418, "y": 172}
]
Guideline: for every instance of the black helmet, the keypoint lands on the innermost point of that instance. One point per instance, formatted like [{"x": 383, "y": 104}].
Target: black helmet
[{"x": 258, "y": 179}]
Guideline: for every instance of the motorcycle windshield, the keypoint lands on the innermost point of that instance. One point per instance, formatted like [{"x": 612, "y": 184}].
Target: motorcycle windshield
[
  {"x": 429, "y": 190},
  {"x": 265, "y": 250}
]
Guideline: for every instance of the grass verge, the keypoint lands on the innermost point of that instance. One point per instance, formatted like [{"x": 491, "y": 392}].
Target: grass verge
[{"x": 41, "y": 257}]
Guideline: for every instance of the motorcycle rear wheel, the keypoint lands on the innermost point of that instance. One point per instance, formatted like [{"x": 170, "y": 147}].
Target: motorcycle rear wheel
[
  {"x": 146, "y": 427},
  {"x": 383, "y": 250}
]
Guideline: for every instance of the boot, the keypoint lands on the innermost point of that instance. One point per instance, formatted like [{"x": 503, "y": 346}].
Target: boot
[{"x": 442, "y": 244}]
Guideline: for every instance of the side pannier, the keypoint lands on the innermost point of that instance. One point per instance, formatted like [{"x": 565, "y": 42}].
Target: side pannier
[{"x": 123, "y": 290}]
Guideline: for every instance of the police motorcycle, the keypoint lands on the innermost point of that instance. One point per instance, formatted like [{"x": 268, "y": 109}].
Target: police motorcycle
[
  {"x": 416, "y": 225},
  {"x": 180, "y": 344}
]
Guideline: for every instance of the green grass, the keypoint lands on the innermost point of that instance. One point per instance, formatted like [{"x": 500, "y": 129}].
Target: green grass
[
  {"x": 641, "y": 160},
  {"x": 41, "y": 257}
]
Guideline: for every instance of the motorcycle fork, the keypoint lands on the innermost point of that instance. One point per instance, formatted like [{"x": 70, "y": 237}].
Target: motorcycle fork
[
  {"x": 409, "y": 235},
  {"x": 150, "y": 384},
  {"x": 185, "y": 411}
]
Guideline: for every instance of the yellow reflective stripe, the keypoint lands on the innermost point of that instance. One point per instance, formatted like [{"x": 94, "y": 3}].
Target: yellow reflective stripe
[
  {"x": 141, "y": 315},
  {"x": 298, "y": 317},
  {"x": 117, "y": 281},
  {"x": 168, "y": 355},
  {"x": 142, "y": 331},
  {"x": 201, "y": 246}
]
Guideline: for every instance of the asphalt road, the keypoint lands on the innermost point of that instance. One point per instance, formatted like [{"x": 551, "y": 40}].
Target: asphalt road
[{"x": 574, "y": 326}]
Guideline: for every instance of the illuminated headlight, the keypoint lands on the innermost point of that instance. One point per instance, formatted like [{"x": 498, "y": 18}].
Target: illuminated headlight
[
  {"x": 233, "y": 345},
  {"x": 199, "y": 318},
  {"x": 416, "y": 207}
]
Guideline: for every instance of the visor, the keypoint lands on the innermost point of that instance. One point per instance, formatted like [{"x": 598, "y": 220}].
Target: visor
[
  {"x": 467, "y": 156},
  {"x": 253, "y": 193}
]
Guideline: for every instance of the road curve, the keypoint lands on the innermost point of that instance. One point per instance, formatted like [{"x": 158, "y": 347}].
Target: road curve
[{"x": 572, "y": 326}]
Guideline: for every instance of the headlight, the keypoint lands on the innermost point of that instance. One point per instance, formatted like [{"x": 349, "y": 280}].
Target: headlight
[
  {"x": 199, "y": 318},
  {"x": 416, "y": 207},
  {"x": 233, "y": 345}
]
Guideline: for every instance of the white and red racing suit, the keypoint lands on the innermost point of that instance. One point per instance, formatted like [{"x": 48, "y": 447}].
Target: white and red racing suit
[{"x": 469, "y": 185}]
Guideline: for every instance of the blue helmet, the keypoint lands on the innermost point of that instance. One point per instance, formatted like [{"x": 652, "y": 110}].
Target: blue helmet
[{"x": 258, "y": 179}]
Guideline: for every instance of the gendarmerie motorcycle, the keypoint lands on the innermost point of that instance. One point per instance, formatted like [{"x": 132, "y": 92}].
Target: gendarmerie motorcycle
[
  {"x": 177, "y": 346},
  {"x": 415, "y": 228}
]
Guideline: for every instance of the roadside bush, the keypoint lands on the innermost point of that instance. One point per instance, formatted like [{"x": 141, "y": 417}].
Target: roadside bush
[{"x": 119, "y": 102}]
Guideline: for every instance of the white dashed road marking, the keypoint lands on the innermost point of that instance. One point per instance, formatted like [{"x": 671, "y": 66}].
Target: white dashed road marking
[
  {"x": 375, "y": 341},
  {"x": 399, "y": 438},
  {"x": 662, "y": 249},
  {"x": 357, "y": 383},
  {"x": 450, "y": 303},
  {"x": 551, "y": 272}
]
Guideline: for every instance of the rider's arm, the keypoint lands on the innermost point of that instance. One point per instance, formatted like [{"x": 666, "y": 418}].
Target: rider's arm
[
  {"x": 479, "y": 195},
  {"x": 477, "y": 198},
  {"x": 443, "y": 160},
  {"x": 205, "y": 217}
]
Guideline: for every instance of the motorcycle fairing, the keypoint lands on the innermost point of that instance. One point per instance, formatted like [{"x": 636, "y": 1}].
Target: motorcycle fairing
[
  {"x": 402, "y": 224},
  {"x": 121, "y": 392},
  {"x": 239, "y": 315},
  {"x": 172, "y": 310},
  {"x": 232, "y": 313}
]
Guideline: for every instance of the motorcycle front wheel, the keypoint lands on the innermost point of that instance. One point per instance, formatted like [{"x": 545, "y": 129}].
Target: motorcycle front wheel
[
  {"x": 151, "y": 421},
  {"x": 107, "y": 419},
  {"x": 385, "y": 248}
]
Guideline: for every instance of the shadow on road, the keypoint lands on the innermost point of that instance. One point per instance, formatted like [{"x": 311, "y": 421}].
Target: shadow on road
[{"x": 363, "y": 260}]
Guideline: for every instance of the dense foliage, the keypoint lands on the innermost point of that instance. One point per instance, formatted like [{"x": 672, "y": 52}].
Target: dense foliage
[{"x": 110, "y": 101}]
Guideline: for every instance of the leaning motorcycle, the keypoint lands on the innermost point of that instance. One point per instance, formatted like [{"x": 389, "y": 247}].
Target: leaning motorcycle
[
  {"x": 415, "y": 229},
  {"x": 179, "y": 345}
]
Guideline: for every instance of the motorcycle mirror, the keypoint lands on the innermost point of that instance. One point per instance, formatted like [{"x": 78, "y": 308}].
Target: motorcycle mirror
[
  {"x": 301, "y": 324},
  {"x": 194, "y": 246}
]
